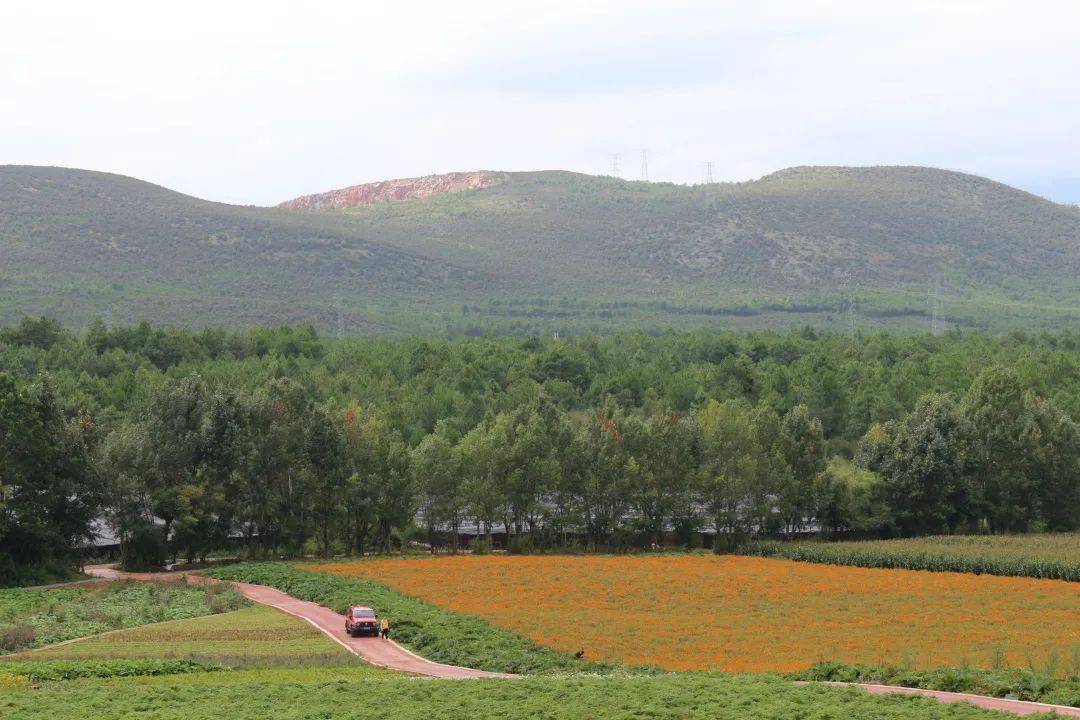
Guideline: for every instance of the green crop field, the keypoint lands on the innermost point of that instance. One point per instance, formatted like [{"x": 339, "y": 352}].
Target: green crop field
[
  {"x": 1039, "y": 556},
  {"x": 254, "y": 635},
  {"x": 32, "y": 617},
  {"x": 357, "y": 692}
]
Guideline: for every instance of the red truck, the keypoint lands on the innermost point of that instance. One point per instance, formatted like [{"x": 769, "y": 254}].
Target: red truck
[{"x": 360, "y": 620}]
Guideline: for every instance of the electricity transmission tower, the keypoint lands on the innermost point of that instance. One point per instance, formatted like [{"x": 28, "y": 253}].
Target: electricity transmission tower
[
  {"x": 644, "y": 164},
  {"x": 708, "y": 171},
  {"x": 615, "y": 165}
]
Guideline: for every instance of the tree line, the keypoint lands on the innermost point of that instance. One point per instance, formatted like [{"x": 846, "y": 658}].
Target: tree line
[{"x": 276, "y": 441}]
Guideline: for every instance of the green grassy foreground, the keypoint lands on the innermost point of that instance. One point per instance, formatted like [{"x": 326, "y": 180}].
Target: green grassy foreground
[
  {"x": 37, "y": 671},
  {"x": 1039, "y": 556},
  {"x": 329, "y": 693}
]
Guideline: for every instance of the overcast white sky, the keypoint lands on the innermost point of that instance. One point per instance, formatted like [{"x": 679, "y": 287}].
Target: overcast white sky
[{"x": 259, "y": 102}]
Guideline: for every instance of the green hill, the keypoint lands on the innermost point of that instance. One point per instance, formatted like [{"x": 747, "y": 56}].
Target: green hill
[{"x": 545, "y": 251}]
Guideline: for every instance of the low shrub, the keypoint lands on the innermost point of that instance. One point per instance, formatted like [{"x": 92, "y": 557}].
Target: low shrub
[
  {"x": 480, "y": 546},
  {"x": 221, "y": 598},
  {"x": 43, "y": 573},
  {"x": 9, "y": 681},
  {"x": 16, "y": 637},
  {"x": 49, "y": 670},
  {"x": 146, "y": 549}
]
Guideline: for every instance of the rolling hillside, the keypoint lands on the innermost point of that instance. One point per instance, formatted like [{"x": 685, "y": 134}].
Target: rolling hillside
[{"x": 542, "y": 251}]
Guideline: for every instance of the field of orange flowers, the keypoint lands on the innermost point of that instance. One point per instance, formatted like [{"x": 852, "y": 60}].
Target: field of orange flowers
[{"x": 747, "y": 614}]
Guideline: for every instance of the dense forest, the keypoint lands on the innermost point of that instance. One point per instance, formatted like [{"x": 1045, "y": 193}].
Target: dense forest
[{"x": 276, "y": 440}]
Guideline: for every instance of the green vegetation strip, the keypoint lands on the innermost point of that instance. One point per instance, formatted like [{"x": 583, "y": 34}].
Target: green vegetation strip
[
  {"x": 41, "y": 573},
  {"x": 256, "y": 635},
  {"x": 435, "y": 633},
  {"x": 1015, "y": 684},
  {"x": 49, "y": 670},
  {"x": 331, "y": 693},
  {"x": 1038, "y": 556}
]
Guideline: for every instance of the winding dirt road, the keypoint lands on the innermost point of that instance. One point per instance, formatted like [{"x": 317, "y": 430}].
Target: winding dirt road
[{"x": 388, "y": 654}]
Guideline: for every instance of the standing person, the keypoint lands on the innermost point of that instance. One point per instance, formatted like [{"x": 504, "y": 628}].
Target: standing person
[{"x": 384, "y": 628}]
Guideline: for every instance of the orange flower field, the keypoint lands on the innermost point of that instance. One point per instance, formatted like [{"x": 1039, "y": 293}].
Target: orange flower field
[{"x": 746, "y": 614}]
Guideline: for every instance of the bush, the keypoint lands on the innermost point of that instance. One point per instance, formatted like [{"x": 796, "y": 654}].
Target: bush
[
  {"x": 41, "y": 573},
  {"x": 519, "y": 545},
  {"x": 146, "y": 549},
  {"x": 16, "y": 637},
  {"x": 9, "y": 681},
  {"x": 480, "y": 546},
  {"x": 221, "y": 598},
  {"x": 46, "y": 670}
]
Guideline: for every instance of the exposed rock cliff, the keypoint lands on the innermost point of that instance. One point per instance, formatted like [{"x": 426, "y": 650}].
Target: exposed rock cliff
[{"x": 403, "y": 189}]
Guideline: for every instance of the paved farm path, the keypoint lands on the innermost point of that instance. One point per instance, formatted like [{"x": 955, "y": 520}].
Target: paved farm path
[
  {"x": 388, "y": 654},
  {"x": 1017, "y": 707},
  {"x": 377, "y": 651}
]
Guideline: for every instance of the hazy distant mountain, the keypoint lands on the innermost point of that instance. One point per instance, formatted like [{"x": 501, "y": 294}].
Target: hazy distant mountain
[{"x": 542, "y": 250}]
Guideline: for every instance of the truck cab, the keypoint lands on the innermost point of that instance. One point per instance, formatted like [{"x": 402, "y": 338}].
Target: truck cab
[{"x": 361, "y": 620}]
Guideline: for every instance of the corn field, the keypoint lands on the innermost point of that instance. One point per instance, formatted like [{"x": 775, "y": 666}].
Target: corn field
[{"x": 1037, "y": 556}]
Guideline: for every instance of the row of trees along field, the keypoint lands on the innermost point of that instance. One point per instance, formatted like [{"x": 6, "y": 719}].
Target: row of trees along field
[{"x": 283, "y": 442}]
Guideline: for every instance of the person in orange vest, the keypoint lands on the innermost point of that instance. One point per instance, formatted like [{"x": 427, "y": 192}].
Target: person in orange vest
[{"x": 384, "y": 628}]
